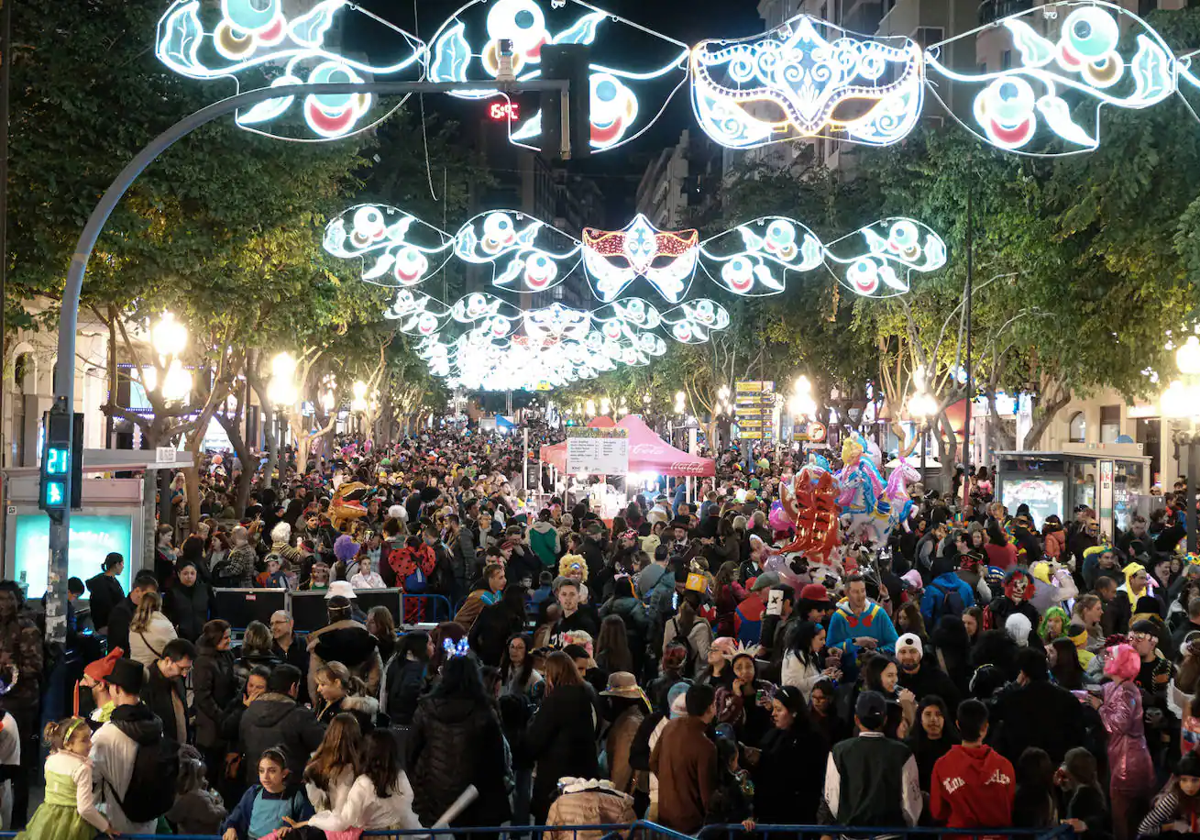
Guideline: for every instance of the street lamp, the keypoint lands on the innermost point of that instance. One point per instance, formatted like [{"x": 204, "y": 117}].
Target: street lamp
[
  {"x": 1181, "y": 401},
  {"x": 169, "y": 338},
  {"x": 281, "y": 390},
  {"x": 590, "y": 408},
  {"x": 921, "y": 406}
]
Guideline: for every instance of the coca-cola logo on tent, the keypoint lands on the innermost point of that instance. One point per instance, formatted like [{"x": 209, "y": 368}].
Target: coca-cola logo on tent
[{"x": 645, "y": 449}]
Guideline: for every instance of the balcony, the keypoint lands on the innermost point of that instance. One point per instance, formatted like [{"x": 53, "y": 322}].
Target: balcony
[{"x": 991, "y": 11}]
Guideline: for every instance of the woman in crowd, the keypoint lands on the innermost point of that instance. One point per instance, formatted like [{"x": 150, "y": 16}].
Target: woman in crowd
[
  {"x": 1035, "y": 804},
  {"x": 382, "y": 626},
  {"x": 381, "y": 797},
  {"x": 257, "y": 649},
  {"x": 341, "y": 692},
  {"x": 405, "y": 677},
  {"x": 626, "y": 605},
  {"x": 612, "y": 647},
  {"x": 456, "y": 742},
  {"x": 932, "y": 737},
  {"x": 1177, "y": 808},
  {"x": 215, "y": 687},
  {"x": 789, "y": 769},
  {"x": 728, "y": 593},
  {"x": 972, "y": 619},
  {"x": 561, "y": 737},
  {"x": 1064, "y": 664},
  {"x": 746, "y": 704},
  {"x": 1131, "y": 773},
  {"x": 517, "y": 672},
  {"x": 823, "y": 713},
  {"x": 188, "y": 603},
  {"x": 497, "y": 623},
  {"x": 149, "y": 631},
  {"x": 105, "y": 592},
  {"x": 692, "y": 630},
  {"x": 331, "y": 771},
  {"x": 1084, "y": 806},
  {"x": 804, "y": 661}
]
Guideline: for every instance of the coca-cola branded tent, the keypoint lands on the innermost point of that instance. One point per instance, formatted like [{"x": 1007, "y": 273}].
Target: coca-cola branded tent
[{"x": 648, "y": 453}]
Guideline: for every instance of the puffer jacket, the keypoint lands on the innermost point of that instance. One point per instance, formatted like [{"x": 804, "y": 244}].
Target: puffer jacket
[
  {"x": 363, "y": 708},
  {"x": 274, "y": 720},
  {"x": 215, "y": 687},
  {"x": 457, "y": 742},
  {"x": 1130, "y": 768},
  {"x": 188, "y": 608},
  {"x": 589, "y": 803},
  {"x": 561, "y": 739},
  {"x": 347, "y": 642},
  {"x": 402, "y": 689}
]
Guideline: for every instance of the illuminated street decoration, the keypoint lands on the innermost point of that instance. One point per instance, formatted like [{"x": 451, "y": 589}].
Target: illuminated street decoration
[
  {"x": 1080, "y": 59},
  {"x": 526, "y": 254},
  {"x": 792, "y": 83},
  {"x": 894, "y": 247},
  {"x": 396, "y": 249},
  {"x": 479, "y": 305},
  {"x": 614, "y": 259},
  {"x": 753, "y": 259},
  {"x": 557, "y": 322},
  {"x": 419, "y": 314},
  {"x": 243, "y": 37},
  {"x": 466, "y": 48},
  {"x": 692, "y": 322}
]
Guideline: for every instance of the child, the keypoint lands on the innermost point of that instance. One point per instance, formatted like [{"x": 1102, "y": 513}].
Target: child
[
  {"x": 1177, "y": 807},
  {"x": 265, "y": 806},
  {"x": 381, "y": 798},
  {"x": 733, "y": 800},
  {"x": 365, "y": 578},
  {"x": 272, "y": 578},
  {"x": 1189, "y": 734},
  {"x": 197, "y": 810},
  {"x": 68, "y": 812},
  {"x": 331, "y": 771}
]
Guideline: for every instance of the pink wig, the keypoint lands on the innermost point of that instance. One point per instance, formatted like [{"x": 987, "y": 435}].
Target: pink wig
[{"x": 1123, "y": 662}]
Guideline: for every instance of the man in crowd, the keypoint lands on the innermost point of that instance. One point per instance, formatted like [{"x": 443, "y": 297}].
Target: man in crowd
[
  {"x": 860, "y": 623},
  {"x": 165, "y": 693},
  {"x": 685, "y": 762},
  {"x": 1035, "y": 712},
  {"x": 275, "y": 719},
  {"x": 288, "y": 648},
  {"x": 115, "y": 746},
  {"x": 920, "y": 674},
  {"x": 973, "y": 785},
  {"x": 573, "y": 616},
  {"x": 492, "y": 584},
  {"x": 122, "y": 614}
]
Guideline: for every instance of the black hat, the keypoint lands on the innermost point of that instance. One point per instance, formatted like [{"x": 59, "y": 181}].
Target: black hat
[
  {"x": 127, "y": 674},
  {"x": 871, "y": 709}
]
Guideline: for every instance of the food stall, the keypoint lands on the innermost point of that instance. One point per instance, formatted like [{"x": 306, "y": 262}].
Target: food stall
[{"x": 1111, "y": 479}]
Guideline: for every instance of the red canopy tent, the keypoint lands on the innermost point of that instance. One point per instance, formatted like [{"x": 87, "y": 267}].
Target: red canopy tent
[{"x": 648, "y": 453}]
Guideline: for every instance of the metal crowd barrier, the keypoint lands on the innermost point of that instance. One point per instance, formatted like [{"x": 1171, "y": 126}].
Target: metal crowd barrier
[{"x": 646, "y": 830}]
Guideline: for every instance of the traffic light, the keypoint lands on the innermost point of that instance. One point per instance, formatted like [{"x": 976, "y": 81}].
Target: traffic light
[
  {"x": 567, "y": 62},
  {"x": 62, "y": 461}
]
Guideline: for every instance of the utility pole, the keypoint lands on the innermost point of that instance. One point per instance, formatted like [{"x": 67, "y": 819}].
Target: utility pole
[{"x": 970, "y": 390}]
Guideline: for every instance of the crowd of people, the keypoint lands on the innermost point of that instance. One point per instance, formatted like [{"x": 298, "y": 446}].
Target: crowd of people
[{"x": 672, "y": 663}]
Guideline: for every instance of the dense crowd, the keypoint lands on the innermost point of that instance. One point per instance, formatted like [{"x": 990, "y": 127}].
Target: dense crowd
[{"x": 670, "y": 663}]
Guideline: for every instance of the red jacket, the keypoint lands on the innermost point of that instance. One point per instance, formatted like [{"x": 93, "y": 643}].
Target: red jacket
[{"x": 972, "y": 787}]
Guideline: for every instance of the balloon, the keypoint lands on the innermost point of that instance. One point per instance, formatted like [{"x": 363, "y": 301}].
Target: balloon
[{"x": 778, "y": 518}]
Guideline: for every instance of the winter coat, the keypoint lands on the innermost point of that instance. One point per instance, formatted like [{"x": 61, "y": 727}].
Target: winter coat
[
  {"x": 1129, "y": 765},
  {"x": 364, "y": 809},
  {"x": 561, "y": 739},
  {"x": 802, "y": 675},
  {"x": 167, "y": 698},
  {"x": 699, "y": 639},
  {"x": 188, "y": 608},
  {"x": 456, "y": 742},
  {"x": 543, "y": 539},
  {"x": 583, "y": 804},
  {"x": 685, "y": 764},
  {"x": 274, "y": 720},
  {"x": 727, "y": 600},
  {"x": 237, "y": 569},
  {"x": 935, "y": 594},
  {"x": 146, "y": 646},
  {"x": 198, "y": 812},
  {"x": 491, "y": 630},
  {"x": 119, "y": 618},
  {"x": 637, "y": 622},
  {"x": 362, "y": 707},
  {"x": 790, "y": 775},
  {"x": 215, "y": 687},
  {"x": 347, "y": 642},
  {"x": 619, "y": 743},
  {"x": 402, "y": 689},
  {"x": 114, "y": 749},
  {"x": 104, "y": 593},
  {"x": 1040, "y": 714}
]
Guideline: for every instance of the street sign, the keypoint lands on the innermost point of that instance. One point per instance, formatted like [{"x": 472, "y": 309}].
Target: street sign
[
  {"x": 165, "y": 454},
  {"x": 754, "y": 406}
]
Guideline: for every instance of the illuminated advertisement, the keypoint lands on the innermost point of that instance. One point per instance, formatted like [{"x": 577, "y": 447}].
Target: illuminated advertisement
[
  {"x": 1045, "y": 496},
  {"x": 92, "y": 538}
]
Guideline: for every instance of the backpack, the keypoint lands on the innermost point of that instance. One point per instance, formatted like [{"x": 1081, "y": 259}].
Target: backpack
[
  {"x": 152, "y": 785},
  {"x": 689, "y": 659},
  {"x": 221, "y": 580},
  {"x": 415, "y": 582},
  {"x": 950, "y": 602}
]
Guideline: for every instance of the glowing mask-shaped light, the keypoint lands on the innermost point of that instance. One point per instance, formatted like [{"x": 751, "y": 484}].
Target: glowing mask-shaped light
[
  {"x": 1066, "y": 67},
  {"x": 613, "y": 259},
  {"x": 794, "y": 83},
  {"x": 203, "y": 41},
  {"x": 893, "y": 248},
  {"x": 525, "y": 253},
  {"x": 692, "y": 322},
  {"x": 397, "y": 249},
  {"x": 753, "y": 259}
]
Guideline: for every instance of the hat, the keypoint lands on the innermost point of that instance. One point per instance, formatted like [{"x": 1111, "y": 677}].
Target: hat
[
  {"x": 340, "y": 587},
  {"x": 101, "y": 668},
  {"x": 764, "y": 581},
  {"x": 913, "y": 578},
  {"x": 726, "y": 645},
  {"x": 871, "y": 709},
  {"x": 910, "y": 640},
  {"x": 751, "y": 496},
  {"x": 814, "y": 593},
  {"x": 128, "y": 675},
  {"x": 624, "y": 684},
  {"x": 676, "y": 699}
]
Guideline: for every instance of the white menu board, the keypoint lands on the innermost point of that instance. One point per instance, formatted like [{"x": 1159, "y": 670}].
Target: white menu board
[{"x": 598, "y": 451}]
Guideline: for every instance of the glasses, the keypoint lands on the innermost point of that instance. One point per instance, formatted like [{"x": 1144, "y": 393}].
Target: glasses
[{"x": 1140, "y": 637}]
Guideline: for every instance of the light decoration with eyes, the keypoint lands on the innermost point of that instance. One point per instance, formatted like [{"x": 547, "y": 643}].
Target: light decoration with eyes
[
  {"x": 526, "y": 254},
  {"x": 397, "y": 250},
  {"x": 245, "y": 37},
  {"x": 419, "y": 314},
  {"x": 793, "y": 82},
  {"x": 614, "y": 259},
  {"x": 1077, "y": 57},
  {"x": 894, "y": 248},
  {"x": 556, "y": 322},
  {"x": 693, "y": 321},
  {"x": 466, "y": 48}
]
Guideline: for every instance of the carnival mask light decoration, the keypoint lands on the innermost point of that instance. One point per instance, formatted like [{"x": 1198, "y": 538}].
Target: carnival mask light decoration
[
  {"x": 556, "y": 322},
  {"x": 525, "y": 253},
  {"x": 614, "y": 259},
  {"x": 793, "y": 83},
  {"x": 754, "y": 258},
  {"x": 466, "y": 48},
  {"x": 894, "y": 248},
  {"x": 419, "y": 314},
  {"x": 397, "y": 250},
  {"x": 289, "y": 42},
  {"x": 1065, "y": 55},
  {"x": 693, "y": 321}
]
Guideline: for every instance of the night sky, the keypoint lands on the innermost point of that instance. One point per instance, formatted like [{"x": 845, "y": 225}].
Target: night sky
[{"x": 616, "y": 172}]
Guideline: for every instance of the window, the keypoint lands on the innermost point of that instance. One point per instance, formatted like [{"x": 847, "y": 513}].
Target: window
[
  {"x": 927, "y": 36},
  {"x": 1006, "y": 60},
  {"x": 1077, "y": 428},
  {"x": 1110, "y": 423}
]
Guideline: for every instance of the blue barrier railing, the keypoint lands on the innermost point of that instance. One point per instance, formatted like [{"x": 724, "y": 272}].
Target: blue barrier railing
[
  {"x": 645, "y": 828},
  {"x": 428, "y": 609}
]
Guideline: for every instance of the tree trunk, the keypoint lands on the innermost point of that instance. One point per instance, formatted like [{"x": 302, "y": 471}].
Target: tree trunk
[
  {"x": 1042, "y": 417},
  {"x": 272, "y": 444},
  {"x": 232, "y": 427},
  {"x": 996, "y": 426}
]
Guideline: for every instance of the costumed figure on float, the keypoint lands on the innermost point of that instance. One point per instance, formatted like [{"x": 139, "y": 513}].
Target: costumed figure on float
[{"x": 865, "y": 509}]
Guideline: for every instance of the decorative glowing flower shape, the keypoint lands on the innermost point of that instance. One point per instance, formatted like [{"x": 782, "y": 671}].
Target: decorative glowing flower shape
[
  {"x": 753, "y": 259},
  {"x": 466, "y": 48},
  {"x": 1067, "y": 54},
  {"x": 894, "y": 248},
  {"x": 792, "y": 82},
  {"x": 397, "y": 249},
  {"x": 613, "y": 259},
  {"x": 246, "y": 35}
]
